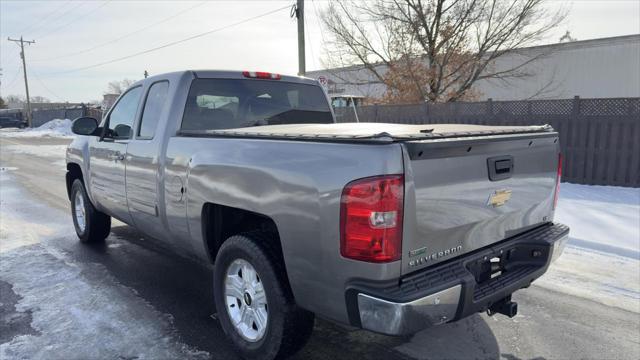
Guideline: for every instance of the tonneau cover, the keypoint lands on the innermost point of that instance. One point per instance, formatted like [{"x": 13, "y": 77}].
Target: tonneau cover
[{"x": 373, "y": 132}]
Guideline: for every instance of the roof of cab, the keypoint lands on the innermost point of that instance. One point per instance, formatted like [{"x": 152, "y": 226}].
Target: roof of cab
[
  {"x": 222, "y": 74},
  {"x": 236, "y": 74}
]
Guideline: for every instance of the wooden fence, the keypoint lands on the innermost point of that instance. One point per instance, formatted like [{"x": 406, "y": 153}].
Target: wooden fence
[{"x": 599, "y": 138}]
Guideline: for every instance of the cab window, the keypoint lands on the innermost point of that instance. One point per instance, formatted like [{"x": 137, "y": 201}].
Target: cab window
[
  {"x": 153, "y": 107},
  {"x": 123, "y": 114},
  {"x": 235, "y": 103}
]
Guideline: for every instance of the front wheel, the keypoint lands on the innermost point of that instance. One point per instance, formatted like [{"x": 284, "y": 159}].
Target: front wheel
[
  {"x": 253, "y": 300},
  {"x": 91, "y": 225}
]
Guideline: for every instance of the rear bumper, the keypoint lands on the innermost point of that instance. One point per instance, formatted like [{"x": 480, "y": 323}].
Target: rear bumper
[{"x": 457, "y": 288}]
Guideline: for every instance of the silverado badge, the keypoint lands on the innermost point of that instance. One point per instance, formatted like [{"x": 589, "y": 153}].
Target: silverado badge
[
  {"x": 436, "y": 255},
  {"x": 499, "y": 198}
]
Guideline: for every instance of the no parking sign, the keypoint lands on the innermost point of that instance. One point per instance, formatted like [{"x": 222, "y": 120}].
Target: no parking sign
[{"x": 323, "y": 81}]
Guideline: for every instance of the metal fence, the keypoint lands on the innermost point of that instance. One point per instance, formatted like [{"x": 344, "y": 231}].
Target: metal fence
[
  {"x": 39, "y": 117},
  {"x": 600, "y": 138}
]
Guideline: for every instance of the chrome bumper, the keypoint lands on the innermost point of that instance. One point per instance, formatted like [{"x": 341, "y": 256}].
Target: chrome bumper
[
  {"x": 417, "y": 302},
  {"x": 558, "y": 248},
  {"x": 405, "y": 318}
]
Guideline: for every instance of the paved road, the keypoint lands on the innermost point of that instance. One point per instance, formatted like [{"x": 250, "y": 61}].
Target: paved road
[{"x": 45, "y": 274}]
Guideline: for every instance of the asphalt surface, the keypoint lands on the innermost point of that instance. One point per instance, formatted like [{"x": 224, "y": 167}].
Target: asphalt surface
[{"x": 550, "y": 325}]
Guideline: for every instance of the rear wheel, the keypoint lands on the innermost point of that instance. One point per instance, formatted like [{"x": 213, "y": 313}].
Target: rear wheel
[
  {"x": 91, "y": 225},
  {"x": 253, "y": 300}
]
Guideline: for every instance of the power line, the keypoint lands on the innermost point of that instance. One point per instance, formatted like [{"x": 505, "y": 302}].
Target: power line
[
  {"x": 13, "y": 80},
  {"x": 69, "y": 10},
  {"x": 308, "y": 37},
  {"x": 83, "y": 16},
  {"x": 11, "y": 59},
  {"x": 48, "y": 15},
  {"x": 24, "y": 68},
  {"x": 35, "y": 75},
  {"x": 315, "y": 10},
  {"x": 173, "y": 42},
  {"x": 124, "y": 36},
  {"x": 321, "y": 28}
]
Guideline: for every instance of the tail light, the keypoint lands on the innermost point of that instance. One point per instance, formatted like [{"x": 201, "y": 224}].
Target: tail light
[
  {"x": 558, "y": 176},
  {"x": 261, "y": 75},
  {"x": 371, "y": 219}
]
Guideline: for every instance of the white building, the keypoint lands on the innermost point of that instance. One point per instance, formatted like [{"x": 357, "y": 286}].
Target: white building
[{"x": 598, "y": 68}]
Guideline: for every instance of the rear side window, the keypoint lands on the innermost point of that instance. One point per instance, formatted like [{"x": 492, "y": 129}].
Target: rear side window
[
  {"x": 153, "y": 107},
  {"x": 234, "y": 103}
]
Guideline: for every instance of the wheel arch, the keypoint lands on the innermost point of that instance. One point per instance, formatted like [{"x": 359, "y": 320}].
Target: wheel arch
[
  {"x": 74, "y": 171},
  {"x": 219, "y": 222}
]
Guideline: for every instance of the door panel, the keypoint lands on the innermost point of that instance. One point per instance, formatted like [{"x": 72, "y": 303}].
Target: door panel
[
  {"x": 108, "y": 156},
  {"x": 143, "y": 166},
  {"x": 107, "y": 177}
]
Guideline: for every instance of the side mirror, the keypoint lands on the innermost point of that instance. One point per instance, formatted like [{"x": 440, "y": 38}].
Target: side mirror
[{"x": 85, "y": 126}]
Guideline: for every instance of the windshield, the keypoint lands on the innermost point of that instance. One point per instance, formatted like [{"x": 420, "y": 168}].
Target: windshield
[{"x": 234, "y": 103}]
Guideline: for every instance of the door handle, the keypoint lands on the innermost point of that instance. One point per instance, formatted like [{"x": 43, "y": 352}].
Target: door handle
[
  {"x": 500, "y": 167},
  {"x": 117, "y": 156},
  {"x": 503, "y": 166}
]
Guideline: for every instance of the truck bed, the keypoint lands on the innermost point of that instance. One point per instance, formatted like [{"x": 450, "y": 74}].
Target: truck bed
[
  {"x": 454, "y": 178},
  {"x": 368, "y": 132}
]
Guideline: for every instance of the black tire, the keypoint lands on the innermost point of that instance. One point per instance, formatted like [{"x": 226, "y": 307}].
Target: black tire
[
  {"x": 288, "y": 326},
  {"x": 97, "y": 224}
]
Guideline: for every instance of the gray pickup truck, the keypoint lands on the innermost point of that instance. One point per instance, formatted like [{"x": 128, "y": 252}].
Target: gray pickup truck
[{"x": 387, "y": 227}]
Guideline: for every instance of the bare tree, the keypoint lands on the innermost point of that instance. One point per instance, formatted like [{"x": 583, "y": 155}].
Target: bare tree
[
  {"x": 118, "y": 87},
  {"x": 435, "y": 50},
  {"x": 40, "y": 99},
  {"x": 19, "y": 99},
  {"x": 567, "y": 37}
]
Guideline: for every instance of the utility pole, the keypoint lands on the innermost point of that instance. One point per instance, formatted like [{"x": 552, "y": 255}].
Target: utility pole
[
  {"x": 301, "y": 54},
  {"x": 24, "y": 69}
]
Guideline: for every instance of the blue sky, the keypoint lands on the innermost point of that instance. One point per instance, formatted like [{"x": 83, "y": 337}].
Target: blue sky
[{"x": 65, "y": 31}]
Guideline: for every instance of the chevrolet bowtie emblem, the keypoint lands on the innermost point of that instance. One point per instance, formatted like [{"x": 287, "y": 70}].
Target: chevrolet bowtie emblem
[{"x": 499, "y": 198}]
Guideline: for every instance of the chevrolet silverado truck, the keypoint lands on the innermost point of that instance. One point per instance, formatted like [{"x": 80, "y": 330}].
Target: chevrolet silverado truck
[{"x": 390, "y": 228}]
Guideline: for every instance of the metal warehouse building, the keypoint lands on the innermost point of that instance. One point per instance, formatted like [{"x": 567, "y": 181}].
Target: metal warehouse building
[{"x": 598, "y": 68}]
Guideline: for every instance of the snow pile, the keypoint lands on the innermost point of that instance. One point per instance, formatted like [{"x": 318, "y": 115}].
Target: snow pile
[
  {"x": 53, "y": 128},
  {"x": 604, "y": 218},
  {"x": 602, "y": 259}
]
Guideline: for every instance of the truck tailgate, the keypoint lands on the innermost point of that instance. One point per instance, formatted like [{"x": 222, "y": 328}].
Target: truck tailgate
[{"x": 467, "y": 193}]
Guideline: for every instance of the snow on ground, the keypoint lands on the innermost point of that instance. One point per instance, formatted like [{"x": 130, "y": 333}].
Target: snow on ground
[
  {"x": 20, "y": 225},
  {"x": 602, "y": 259},
  {"x": 56, "y": 152},
  {"x": 601, "y": 263},
  {"x": 602, "y": 217},
  {"x": 52, "y": 152},
  {"x": 54, "y": 128},
  {"x": 605, "y": 278},
  {"x": 78, "y": 311}
]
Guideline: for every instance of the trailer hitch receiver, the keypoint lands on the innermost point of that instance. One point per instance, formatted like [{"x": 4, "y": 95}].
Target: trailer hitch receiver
[{"x": 504, "y": 307}]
